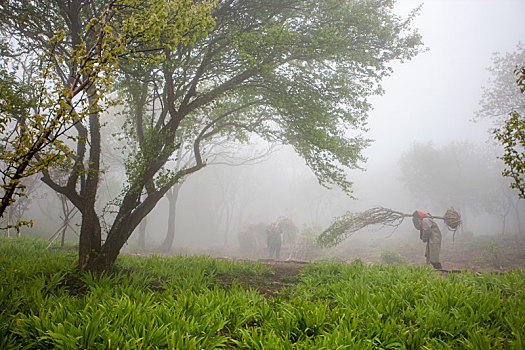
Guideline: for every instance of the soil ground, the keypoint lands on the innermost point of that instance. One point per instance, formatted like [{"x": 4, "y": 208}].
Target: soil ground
[{"x": 285, "y": 275}]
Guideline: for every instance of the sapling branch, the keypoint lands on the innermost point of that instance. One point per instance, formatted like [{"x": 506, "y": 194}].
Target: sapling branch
[{"x": 346, "y": 225}]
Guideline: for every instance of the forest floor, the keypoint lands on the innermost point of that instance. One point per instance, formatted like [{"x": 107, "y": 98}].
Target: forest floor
[
  {"x": 285, "y": 274},
  {"x": 493, "y": 254}
]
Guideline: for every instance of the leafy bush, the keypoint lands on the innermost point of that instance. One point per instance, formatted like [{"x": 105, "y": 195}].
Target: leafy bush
[
  {"x": 492, "y": 253},
  {"x": 390, "y": 257},
  {"x": 328, "y": 259}
]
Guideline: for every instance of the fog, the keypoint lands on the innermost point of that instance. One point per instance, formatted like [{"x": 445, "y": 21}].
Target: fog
[{"x": 430, "y": 100}]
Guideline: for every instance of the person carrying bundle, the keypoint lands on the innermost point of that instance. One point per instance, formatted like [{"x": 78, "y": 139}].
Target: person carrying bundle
[
  {"x": 430, "y": 234},
  {"x": 274, "y": 240}
]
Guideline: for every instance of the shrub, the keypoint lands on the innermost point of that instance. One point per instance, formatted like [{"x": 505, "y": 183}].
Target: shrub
[
  {"x": 390, "y": 257},
  {"x": 491, "y": 253}
]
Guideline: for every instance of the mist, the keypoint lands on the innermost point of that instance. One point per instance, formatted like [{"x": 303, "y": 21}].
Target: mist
[{"x": 429, "y": 101}]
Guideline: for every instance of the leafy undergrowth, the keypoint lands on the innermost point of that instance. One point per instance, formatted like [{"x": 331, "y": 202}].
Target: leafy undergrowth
[{"x": 203, "y": 303}]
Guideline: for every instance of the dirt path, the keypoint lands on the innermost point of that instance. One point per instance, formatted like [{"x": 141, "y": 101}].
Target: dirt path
[{"x": 285, "y": 275}]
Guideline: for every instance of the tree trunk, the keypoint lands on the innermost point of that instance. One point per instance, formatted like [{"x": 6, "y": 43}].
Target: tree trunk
[
  {"x": 102, "y": 259},
  {"x": 504, "y": 215},
  {"x": 142, "y": 233},
  {"x": 118, "y": 235},
  {"x": 90, "y": 233},
  {"x": 65, "y": 211},
  {"x": 172, "y": 196},
  {"x": 66, "y": 223},
  {"x": 132, "y": 211},
  {"x": 518, "y": 216},
  {"x": 89, "y": 244},
  {"x": 63, "y": 239},
  {"x": 227, "y": 224},
  {"x": 128, "y": 218}
]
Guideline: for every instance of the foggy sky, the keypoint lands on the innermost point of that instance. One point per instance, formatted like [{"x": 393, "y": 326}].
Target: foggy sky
[
  {"x": 434, "y": 96},
  {"x": 431, "y": 98}
]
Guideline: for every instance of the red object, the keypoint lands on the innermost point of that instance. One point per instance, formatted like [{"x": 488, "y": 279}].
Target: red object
[{"x": 421, "y": 215}]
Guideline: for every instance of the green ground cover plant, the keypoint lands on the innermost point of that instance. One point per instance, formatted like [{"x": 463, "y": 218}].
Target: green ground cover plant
[{"x": 180, "y": 303}]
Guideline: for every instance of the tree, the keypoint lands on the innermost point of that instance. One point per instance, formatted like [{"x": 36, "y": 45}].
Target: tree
[
  {"x": 140, "y": 88},
  {"x": 91, "y": 37},
  {"x": 503, "y": 100},
  {"x": 502, "y": 95},
  {"x": 75, "y": 46},
  {"x": 61, "y": 175},
  {"x": 15, "y": 102},
  {"x": 36, "y": 135},
  {"x": 14, "y": 215},
  {"x": 511, "y": 135},
  {"x": 293, "y": 71},
  {"x": 285, "y": 79}
]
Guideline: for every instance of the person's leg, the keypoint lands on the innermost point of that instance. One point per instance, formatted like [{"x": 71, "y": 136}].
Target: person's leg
[
  {"x": 434, "y": 255},
  {"x": 437, "y": 265},
  {"x": 271, "y": 249}
]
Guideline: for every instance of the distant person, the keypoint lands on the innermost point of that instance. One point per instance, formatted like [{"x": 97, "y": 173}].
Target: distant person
[
  {"x": 274, "y": 240},
  {"x": 430, "y": 234}
]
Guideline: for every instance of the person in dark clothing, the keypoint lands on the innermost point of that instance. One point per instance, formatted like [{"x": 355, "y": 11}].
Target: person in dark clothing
[
  {"x": 430, "y": 234},
  {"x": 274, "y": 240}
]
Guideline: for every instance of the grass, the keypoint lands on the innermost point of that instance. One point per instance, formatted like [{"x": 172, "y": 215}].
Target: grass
[{"x": 179, "y": 303}]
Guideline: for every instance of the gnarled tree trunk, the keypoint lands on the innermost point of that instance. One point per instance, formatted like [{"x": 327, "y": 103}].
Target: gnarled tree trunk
[{"x": 172, "y": 196}]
